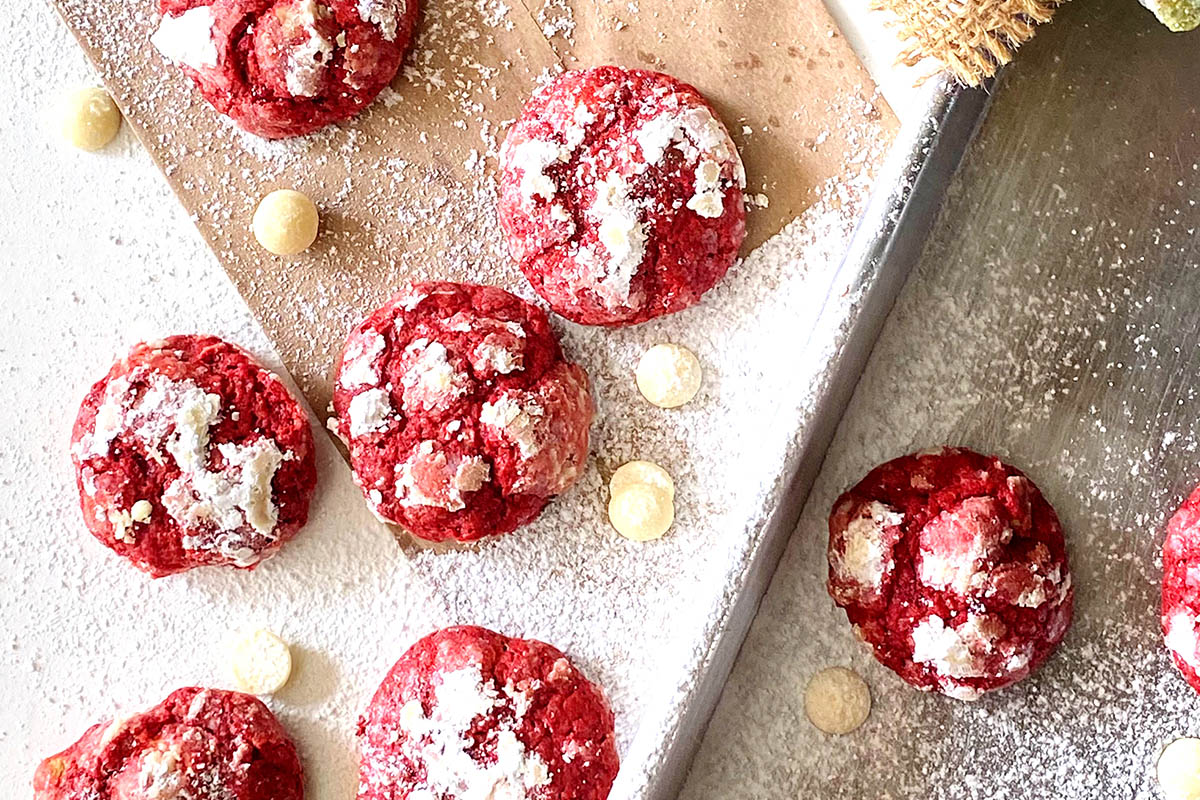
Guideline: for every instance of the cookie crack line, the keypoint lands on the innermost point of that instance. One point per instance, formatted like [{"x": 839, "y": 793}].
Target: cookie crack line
[{"x": 953, "y": 567}]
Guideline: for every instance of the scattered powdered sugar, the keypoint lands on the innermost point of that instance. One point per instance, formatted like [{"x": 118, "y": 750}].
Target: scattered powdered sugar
[
  {"x": 187, "y": 39},
  {"x": 210, "y": 505},
  {"x": 639, "y": 619},
  {"x": 557, "y": 18},
  {"x": 85, "y": 636},
  {"x": 623, "y": 234},
  {"x": 642, "y": 637},
  {"x": 1050, "y": 322},
  {"x": 442, "y": 742}
]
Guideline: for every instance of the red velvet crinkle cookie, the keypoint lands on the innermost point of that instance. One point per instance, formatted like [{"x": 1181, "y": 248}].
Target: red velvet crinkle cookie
[
  {"x": 198, "y": 744},
  {"x": 283, "y": 68},
  {"x": 1181, "y": 589},
  {"x": 189, "y": 453},
  {"x": 952, "y": 566},
  {"x": 462, "y": 417},
  {"x": 468, "y": 713},
  {"x": 621, "y": 195}
]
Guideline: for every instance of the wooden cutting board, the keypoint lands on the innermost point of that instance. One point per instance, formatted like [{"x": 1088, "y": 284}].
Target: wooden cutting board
[{"x": 407, "y": 190}]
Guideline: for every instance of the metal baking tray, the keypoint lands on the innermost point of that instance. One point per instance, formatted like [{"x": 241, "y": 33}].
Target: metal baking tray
[{"x": 1052, "y": 321}]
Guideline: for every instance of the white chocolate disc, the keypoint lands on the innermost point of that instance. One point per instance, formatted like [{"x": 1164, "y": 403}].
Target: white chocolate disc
[
  {"x": 641, "y": 512},
  {"x": 837, "y": 700},
  {"x": 286, "y": 222},
  {"x": 89, "y": 119},
  {"x": 141, "y": 510},
  {"x": 1179, "y": 770},
  {"x": 669, "y": 375},
  {"x": 261, "y": 662},
  {"x": 647, "y": 472}
]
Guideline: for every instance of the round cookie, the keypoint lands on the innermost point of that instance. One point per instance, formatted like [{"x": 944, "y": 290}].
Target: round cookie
[
  {"x": 952, "y": 566},
  {"x": 198, "y": 743},
  {"x": 282, "y": 68},
  {"x": 189, "y": 453},
  {"x": 468, "y": 713},
  {"x": 461, "y": 415},
  {"x": 621, "y": 195},
  {"x": 1180, "y": 594}
]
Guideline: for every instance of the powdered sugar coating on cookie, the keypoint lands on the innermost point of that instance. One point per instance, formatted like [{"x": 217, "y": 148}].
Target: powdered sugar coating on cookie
[
  {"x": 188, "y": 453},
  {"x": 1180, "y": 592},
  {"x": 461, "y": 415},
  {"x": 621, "y": 195},
  {"x": 283, "y": 68},
  {"x": 469, "y": 713},
  {"x": 198, "y": 744},
  {"x": 953, "y": 567}
]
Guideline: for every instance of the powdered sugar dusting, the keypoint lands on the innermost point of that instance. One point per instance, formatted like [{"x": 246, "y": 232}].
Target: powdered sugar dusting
[
  {"x": 627, "y": 629},
  {"x": 622, "y": 596},
  {"x": 1052, "y": 324},
  {"x": 443, "y": 742}
]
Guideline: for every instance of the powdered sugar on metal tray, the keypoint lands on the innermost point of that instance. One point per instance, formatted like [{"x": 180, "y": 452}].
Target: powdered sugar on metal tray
[{"x": 1064, "y": 344}]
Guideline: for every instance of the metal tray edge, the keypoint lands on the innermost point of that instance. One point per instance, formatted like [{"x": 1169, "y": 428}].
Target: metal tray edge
[{"x": 886, "y": 243}]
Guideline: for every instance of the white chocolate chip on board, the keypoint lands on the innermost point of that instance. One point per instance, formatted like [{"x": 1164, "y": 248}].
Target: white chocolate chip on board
[
  {"x": 88, "y": 119},
  {"x": 286, "y": 222}
]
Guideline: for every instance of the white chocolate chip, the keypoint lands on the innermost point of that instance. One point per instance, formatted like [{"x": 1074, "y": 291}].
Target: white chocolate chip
[
  {"x": 308, "y": 60},
  {"x": 286, "y": 222},
  {"x": 669, "y": 375},
  {"x": 261, "y": 662},
  {"x": 1182, "y": 639},
  {"x": 88, "y": 119},
  {"x": 533, "y": 157},
  {"x": 122, "y": 524},
  {"x": 622, "y": 233},
  {"x": 639, "y": 472},
  {"x": 837, "y": 700},
  {"x": 641, "y": 512},
  {"x": 1179, "y": 770},
  {"x": 141, "y": 511}
]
